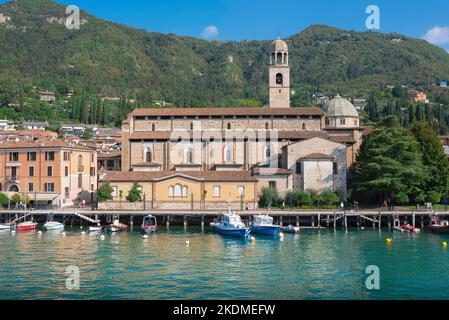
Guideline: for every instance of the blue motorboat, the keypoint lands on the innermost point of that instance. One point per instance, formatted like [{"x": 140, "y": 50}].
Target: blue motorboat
[
  {"x": 263, "y": 224},
  {"x": 231, "y": 224}
]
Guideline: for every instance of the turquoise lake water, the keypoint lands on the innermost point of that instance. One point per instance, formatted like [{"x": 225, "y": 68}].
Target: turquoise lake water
[{"x": 313, "y": 265}]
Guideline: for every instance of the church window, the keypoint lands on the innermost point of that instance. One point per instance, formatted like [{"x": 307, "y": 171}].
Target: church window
[
  {"x": 279, "y": 79},
  {"x": 170, "y": 191},
  {"x": 148, "y": 155},
  {"x": 184, "y": 191},
  {"x": 356, "y": 123},
  {"x": 327, "y": 122},
  {"x": 191, "y": 126},
  {"x": 303, "y": 126},
  {"x": 153, "y": 127},
  {"x": 177, "y": 191},
  {"x": 298, "y": 167},
  {"x": 267, "y": 153},
  {"x": 267, "y": 125},
  {"x": 229, "y": 126},
  {"x": 343, "y": 121},
  {"x": 228, "y": 154},
  {"x": 279, "y": 58},
  {"x": 188, "y": 155}
]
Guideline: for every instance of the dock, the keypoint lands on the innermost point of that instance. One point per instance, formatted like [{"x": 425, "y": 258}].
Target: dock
[{"x": 307, "y": 219}]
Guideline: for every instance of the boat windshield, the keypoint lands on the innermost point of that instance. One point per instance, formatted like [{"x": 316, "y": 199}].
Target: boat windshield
[
  {"x": 263, "y": 220},
  {"x": 149, "y": 221}
]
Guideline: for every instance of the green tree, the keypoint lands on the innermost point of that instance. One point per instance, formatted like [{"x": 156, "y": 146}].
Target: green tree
[
  {"x": 433, "y": 197},
  {"x": 104, "y": 192},
  {"x": 291, "y": 198},
  {"x": 304, "y": 199},
  {"x": 269, "y": 197},
  {"x": 389, "y": 162},
  {"x": 4, "y": 200},
  {"x": 401, "y": 198},
  {"x": 434, "y": 158},
  {"x": 135, "y": 193},
  {"x": 330, "y": 198}
]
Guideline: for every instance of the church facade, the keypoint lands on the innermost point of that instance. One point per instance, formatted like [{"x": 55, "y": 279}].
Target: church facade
[{"x": 206, "y": 158}]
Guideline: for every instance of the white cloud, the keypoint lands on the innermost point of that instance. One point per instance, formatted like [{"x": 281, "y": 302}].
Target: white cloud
[
  {"x": 209, "y": 32},
  {"x": 437, "y": 35}
]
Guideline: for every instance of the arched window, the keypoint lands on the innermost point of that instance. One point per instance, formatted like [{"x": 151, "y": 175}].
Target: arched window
[
  {"x": 170, "y": 191},
  {"x": 153, "y": 127},
  {"x": 303, "y": 126},
  {"x": 279, "y": 79},
  {"x": 191, "y": 126},
  {"x": 80, "y": 163},
  {"x": 267, "y": 153},
  {"x": 13, "y": 188},
  {"x": 228, "y": 154},
  {"x": 148, "y": 155},
  {"x": 229, "y": 126},
  {"x": 279, "y": 58},
  {"x": 285, "y": 58},
  {"x": 188, "y": 155},
  {"x": 184, "y": 191},
  {"x": 267, "y": 125},
  {"x": 177, "y": 191},
  {"x": 327, "y": 122}
]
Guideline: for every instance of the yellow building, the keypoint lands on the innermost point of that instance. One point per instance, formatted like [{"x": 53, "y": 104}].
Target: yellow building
[{"x": 187, "y": 190}]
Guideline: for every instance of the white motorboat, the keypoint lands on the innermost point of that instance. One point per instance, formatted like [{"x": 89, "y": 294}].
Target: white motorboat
[{"x": 53, "y": 225}]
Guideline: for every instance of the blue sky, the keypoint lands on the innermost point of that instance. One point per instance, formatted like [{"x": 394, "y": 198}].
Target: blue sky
[{"x": 265, "y": 19}]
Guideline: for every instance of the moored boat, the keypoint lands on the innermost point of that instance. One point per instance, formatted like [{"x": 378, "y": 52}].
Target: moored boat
[
  {"x": 5, "y": 227},
  {"x": 263, "y": 224},
  {"x": 408, "y": 228},
  {"x": 95, "y": 228},
  {"x": 117, "y": 226},
  {"x": 290, "y": 229},
  {"x": 231, "y": 224},
  {"x": 149, "y": 223},
  {"x": 27, "y": 225},
  {"x": 437, "y": 225},
  {"x": 53, "y": 225}
]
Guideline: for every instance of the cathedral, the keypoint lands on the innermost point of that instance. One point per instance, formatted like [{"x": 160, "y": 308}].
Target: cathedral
[{"x": 207, "y": 158}]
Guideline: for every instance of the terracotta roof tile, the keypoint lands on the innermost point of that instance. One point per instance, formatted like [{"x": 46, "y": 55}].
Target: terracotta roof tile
[
  {"x": 137, "y": 176},
  {"x": 318, "y": 156},
  {"x": 226, "y": 111},
  {"x": 109, "y": 155}
]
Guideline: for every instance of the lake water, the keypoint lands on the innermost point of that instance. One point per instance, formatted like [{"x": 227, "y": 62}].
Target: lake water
[{"x": 313, "y": 265}]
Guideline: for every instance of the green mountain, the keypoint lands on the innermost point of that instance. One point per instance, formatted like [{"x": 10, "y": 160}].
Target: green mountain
[{"x": 103, "y": 57}]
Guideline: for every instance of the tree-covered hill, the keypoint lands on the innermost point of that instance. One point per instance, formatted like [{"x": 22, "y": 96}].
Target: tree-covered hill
[{"x": 103, "y": 57}]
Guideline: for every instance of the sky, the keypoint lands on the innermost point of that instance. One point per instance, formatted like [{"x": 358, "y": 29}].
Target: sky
[{"x": 266, "y": 19}]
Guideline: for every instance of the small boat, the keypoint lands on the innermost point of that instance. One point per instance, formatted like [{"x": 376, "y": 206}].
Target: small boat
[
  {"x": 408, "y": 228},
  {"x": 263, "y": 224},
  {"x": 53, "y": 225},
  {"x": 231, "y": 224},
  {"x": 438, "y": 225},
  {"x": 149, "y": 223},
  {"x": 116, "y": 226},
  {"x": 95, "y": 228},
  {"x": 5, "y": 227},
  {"x": 290, "y": 229},
  {"x": 27, "y": 225}
]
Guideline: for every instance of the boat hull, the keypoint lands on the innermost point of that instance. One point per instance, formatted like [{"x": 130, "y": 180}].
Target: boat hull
[
  {"x": 113, "y": 228},
  {"x": 231, "y": 232},
  {"x": 27, "y": 227},
  {"x": 292, "y": 230},
  {"x": 437, "y": 229},
  {"x": 267, "y": 230},
  {"x": 149, "y": 229},
  {"x": 53, "y": 226}
]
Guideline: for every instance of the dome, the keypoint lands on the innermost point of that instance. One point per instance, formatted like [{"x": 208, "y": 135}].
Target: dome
[
  {"x": 280, "y": 45},
  {"x": 341, "y": 107}
]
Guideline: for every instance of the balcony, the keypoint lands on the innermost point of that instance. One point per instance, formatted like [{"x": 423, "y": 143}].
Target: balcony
[{"x": 12, "y": 178}]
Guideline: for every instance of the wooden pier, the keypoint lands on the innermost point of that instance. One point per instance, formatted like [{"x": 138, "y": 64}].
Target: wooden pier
[{"x": 313, "y": 219}]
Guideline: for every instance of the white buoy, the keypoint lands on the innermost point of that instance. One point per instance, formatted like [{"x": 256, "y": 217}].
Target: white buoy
[
  {"x": 13, "y": 232},
  {"x": 81, "y": 227},
  {"x": 252, "y": 238},
  {"x": 187, "y": 242},
  {"x": 145, "y": 237},
  {"x": 39, "y": 232},
  {"x": 83, "y": 233},
  {"x": 102, "y": 237},
  {"x": 363, "y": 228},
  {"x": 63, "y": 234},
  {"x": 281, "y": 235}
]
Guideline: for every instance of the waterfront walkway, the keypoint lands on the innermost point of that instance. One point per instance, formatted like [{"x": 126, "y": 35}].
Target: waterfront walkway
[{"x": 305, "y": 218}]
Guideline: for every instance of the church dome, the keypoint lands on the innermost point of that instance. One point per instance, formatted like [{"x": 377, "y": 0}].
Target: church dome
[
  {"x": 280, "y": 45},
  {"x": 341, "y": 107}
]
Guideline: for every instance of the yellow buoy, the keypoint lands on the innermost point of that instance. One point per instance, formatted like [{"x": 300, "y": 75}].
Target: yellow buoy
[
  {"x": 389, "y": 240},
  {"x": 444, "y": 244}
]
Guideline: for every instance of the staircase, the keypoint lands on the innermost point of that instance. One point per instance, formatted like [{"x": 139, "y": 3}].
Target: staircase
[{"x": 81, "y": 216}]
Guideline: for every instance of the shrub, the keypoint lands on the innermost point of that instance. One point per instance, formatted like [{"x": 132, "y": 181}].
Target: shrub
[
  {"x": 291, "y": 198},
  {"x": 420, "y": 198},
  {"x": 135, "y": 193},
  {"x": 4, "y": 200},
  {"x": 433, "y": 197},
  {"x": 401, "y": 198},
  {"x": 269, "y": 197},
  {"x": 104, "y": 193},
  {"x": 330, "y": 198},
  {"x": 304, "y": 199}
]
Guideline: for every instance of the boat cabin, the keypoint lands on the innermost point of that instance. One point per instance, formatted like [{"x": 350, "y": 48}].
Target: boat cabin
[{"x": 263, "y": 220}]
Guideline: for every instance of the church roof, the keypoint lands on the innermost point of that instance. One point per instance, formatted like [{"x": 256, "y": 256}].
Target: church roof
[
  {"x": 318, "y": 156},
  {"x": 341, "y": 107},
  {"x": 227, "y": 112},
  {"x": 280, "y": 45}
]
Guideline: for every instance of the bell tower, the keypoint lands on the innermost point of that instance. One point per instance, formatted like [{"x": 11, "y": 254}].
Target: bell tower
[{"x": 279, "y": 74}]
